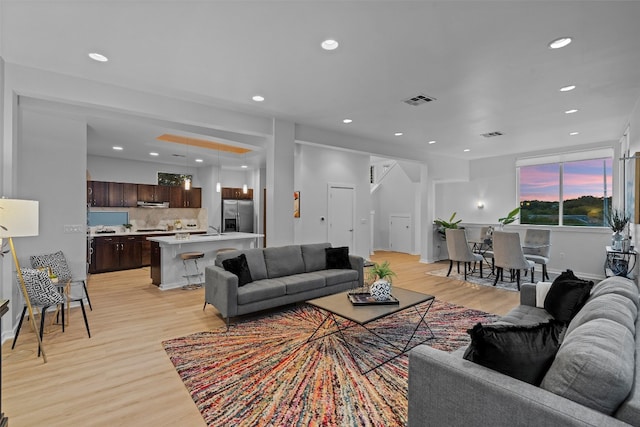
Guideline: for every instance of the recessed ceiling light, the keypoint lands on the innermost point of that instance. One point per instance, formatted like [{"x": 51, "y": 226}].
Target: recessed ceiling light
[
  {"x": 561, "y": 42},
  {"x": 258, "y": 98},
  {"x": 199, "y": 160},
  {"x": 466, "y": 150},
  {"x": 244, "y": 166},
  {"x": 574, "y": 133},
  {"x": 567, "y": 88},
  {"x": 153, "y": 154},
  {"x": 117, "y": 148},
  {"x": 329, "y": 44},
  {"x": 98, "y": 57},
  {"x": 347, "y": 121},
  {"x": 432, "y": 142},
  {"x": 573, "y": 110},
  {"x": 398, "y": 134}
]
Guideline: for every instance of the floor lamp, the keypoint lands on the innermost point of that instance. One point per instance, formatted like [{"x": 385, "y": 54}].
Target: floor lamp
[{"x": 19, "y": 218}]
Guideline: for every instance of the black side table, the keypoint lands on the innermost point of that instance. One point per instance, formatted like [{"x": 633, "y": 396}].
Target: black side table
[{"x": 620, "y": 263}]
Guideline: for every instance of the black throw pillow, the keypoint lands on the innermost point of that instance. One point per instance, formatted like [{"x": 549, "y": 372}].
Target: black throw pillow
[
  {"x": 566, "y": 296},
  {"x": 524, "y": 352},
  {"x": 337, "y": 258},
  {"x": 240, "y": 268}
]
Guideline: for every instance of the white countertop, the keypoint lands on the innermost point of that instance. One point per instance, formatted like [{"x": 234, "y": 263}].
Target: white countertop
[
  {"x": 147, "y": 233},
  {"x": 203, "y": 238}
]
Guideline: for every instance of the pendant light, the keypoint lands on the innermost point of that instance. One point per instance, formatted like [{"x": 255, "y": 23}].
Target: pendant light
[
  {"x": 218, "y": 185},
  {"x": 187, "y": 179},
  {"x": 245, "y": 190}
]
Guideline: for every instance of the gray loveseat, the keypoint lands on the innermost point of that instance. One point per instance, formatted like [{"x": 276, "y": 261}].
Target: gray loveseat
[
  {"x": 594, "y": 379},
  {"x": 281, "y": 275}
]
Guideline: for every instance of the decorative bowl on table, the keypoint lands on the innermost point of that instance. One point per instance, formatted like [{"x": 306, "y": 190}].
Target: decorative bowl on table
[{"x": 380, "y": 290}]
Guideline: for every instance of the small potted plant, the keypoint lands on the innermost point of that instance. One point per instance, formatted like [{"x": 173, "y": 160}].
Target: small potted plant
[
  {"x": 617, "y": 220},
  {"x": 382, "y": 275},
  {"x": 127, "y": 227},
  {"x": 442, "y": 225}
]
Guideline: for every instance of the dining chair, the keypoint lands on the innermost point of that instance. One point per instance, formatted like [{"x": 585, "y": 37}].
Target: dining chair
[
  {"x": 537, "y": 247},
  {"x": 57, "y": 262},
  {"x": 459, "y": 250},
  {"x": 507, "y": 254},
  {"x": 43, "y": 294}
]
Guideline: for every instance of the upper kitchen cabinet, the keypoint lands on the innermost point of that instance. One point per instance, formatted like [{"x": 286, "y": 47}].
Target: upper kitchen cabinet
[
  {"x": 122, "y": 194},
  {"x": 153, "y": 193},
  {"x": 181, "y": 198},
  {"x": 97, "y": 193},
  {"x": 236, "y": 193}
]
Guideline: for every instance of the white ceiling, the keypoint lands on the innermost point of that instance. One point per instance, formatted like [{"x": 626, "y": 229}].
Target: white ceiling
[{"x": 486, "y": 62}]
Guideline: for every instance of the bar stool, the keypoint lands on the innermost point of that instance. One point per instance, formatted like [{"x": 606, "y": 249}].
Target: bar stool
[{"x": 192, "y": 256}]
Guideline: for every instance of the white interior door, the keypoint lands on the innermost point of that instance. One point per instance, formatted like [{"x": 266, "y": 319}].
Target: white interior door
[
  {"x": 341, "y": 215},
  {"x": 400, "y": 233}
]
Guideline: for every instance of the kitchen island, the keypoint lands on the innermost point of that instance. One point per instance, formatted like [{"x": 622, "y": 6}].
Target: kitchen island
[{"x": 167, "y": 269}]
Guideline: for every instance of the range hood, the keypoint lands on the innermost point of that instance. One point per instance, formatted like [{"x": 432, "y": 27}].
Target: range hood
[{"x": 142, "y": 204}]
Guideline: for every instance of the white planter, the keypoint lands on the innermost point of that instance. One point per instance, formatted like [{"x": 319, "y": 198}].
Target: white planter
[{"x": 380, "y": 290}]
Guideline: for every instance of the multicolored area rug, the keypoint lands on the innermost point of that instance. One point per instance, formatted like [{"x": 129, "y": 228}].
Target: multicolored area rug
[
  {"x": 262, "y": 371},
  {"x": 488, "y": 278}
]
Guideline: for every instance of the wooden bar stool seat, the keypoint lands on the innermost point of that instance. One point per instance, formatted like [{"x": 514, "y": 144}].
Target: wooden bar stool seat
[{"x": 195, "y": 273}]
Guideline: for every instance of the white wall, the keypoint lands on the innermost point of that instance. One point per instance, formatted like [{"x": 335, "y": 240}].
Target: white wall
[
  {"x": 316, "y": 167},
  {"x": 51, "y": 169},
  {"x": 121, "y": 170}
]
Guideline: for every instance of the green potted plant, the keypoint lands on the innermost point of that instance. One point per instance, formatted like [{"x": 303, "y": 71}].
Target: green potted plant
[
  {"x": 618, "y": 221},
  {"x": 127, "y": 227},
  {"x": 511, "y": 217},
  {"x": 442, "y": 225},
  {"x": 380, "y": 289}
]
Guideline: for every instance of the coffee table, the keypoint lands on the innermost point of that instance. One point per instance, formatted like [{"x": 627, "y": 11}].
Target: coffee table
[{"x": 362, "y": 315}]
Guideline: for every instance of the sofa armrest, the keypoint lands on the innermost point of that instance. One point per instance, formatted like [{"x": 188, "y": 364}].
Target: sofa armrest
[
  {"x": 528, "y": 294},
  {"x": 357, "y": 263},
  {"x": 221, "y": 290},
  {"x": 445, "y": 389}
]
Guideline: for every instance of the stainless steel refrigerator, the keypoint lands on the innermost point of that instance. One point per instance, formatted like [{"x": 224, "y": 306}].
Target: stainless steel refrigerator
[{"x": 237, "y": 215}]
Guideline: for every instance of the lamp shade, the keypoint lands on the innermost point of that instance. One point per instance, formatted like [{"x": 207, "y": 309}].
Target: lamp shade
[{"x": 18, "y": 217}]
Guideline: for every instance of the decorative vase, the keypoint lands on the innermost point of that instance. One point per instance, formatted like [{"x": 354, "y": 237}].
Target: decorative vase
[
  {"x": 616, "y": 241},
  {"x": 380, "y": 290}
]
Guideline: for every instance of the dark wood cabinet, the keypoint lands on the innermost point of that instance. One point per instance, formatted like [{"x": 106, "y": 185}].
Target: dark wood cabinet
[
  {"x": 153, "y": 193},
  {"x": 97, "y": 193},
  {"x": 236, "y": 193},
  {"x": 181, "y": 198},
  {"x": 156, "y": 270},
  {"x": 116, "y": 253},
  {"x": 122, "y": 194}
]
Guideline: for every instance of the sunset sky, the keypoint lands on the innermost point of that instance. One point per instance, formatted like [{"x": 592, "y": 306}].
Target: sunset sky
[{"x": 584, "y": 178}]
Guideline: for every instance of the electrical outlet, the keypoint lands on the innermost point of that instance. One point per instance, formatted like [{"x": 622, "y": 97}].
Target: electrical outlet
[
  {"x": 561, "y": 255},
  {"x": 74, "y": 228}
]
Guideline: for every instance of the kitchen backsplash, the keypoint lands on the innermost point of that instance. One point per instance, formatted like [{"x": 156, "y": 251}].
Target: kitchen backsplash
[{"x": 144, "y": 218}]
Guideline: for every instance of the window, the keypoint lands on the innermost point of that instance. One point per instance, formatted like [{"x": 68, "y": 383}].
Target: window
[{"x": 572, "y": 190}]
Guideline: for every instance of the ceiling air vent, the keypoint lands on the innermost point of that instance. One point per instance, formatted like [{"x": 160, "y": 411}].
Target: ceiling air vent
[
  {"x": 418, "y": 100},
  {"x": 492, "y": 134}
]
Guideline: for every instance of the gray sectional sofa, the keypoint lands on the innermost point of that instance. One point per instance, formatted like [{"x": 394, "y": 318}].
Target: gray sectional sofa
[
  {"x": 594, "y": 379},
  {"x": 281, "y": 275}
]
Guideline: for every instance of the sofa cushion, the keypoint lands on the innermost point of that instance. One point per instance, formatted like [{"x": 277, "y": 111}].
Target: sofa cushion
[
  {"x": 542, "y": 289},
  {"x": 526, "y": 315},
  {"x": 239, "y": 267},
  {"x": 566, "y": 296},
  {"x": 314, "y": 256},
  {"x": 524, "y": 352},
  {"x": 260, "y": 290},
  {"x": 302, "y": 282},
  {"x": 617, "y": 285},
  {"x": 614, "y": 307},
  {"x": 594, "y": 366},
  {"x": 338, "y": 258},
  {"x": 255, "y": 261},
  {"x": 283, "y": 261},
  {"x": 336, "y": 277}
]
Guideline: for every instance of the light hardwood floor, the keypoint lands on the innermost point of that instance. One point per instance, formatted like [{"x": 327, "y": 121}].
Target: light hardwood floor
[{"x": 122, "y": 376}]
